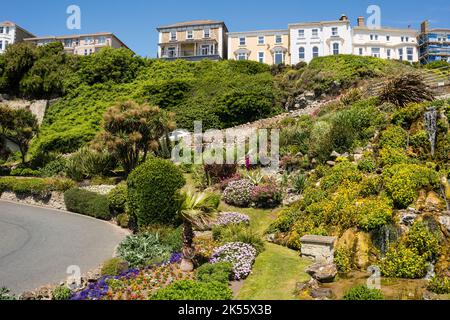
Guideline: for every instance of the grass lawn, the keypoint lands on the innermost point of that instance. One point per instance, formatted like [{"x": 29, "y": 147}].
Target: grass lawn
[{"x": 274, "y": 275}]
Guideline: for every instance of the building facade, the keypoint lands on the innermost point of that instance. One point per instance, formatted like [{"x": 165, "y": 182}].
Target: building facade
[
  {"x": 269, "y": 46},
  {"x": 84, "y": 45},
  {"x": 434, "y": 44},
  {"x": 318, "y": 39},
  {"x": 11, "y": 33},
  {"x": 193, "y": 40},
  {"x": 385, "y": 43}
]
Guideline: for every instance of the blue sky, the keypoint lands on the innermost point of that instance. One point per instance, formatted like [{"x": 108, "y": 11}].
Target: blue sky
[{"x": 134, "y": 21}]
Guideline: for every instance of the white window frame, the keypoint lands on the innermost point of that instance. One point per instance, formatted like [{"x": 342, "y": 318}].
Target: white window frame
[
  {"x": 173, "y": 36},
  {"x": 242, "y": 55},
  {"x": 335, "y": 31},
  {"x": 315, "y": 33},
  {"x": 275, "y": 54},
  {"x": 207, "y": 33},
  {"x": 361, "y": 51},
  {"x": 261, "y": 57},
  {"x": 388, "y": 38},
  {"x": 2, "y": 29},
  {"x": 314, "y": 50},
  {"x": 336, "y": 49},
  {"x": 301, "y": 33},
  {"x": 208, "y": 49},
  {"x": 278, "y": 39},
  {"x": 242, "y": 41},
  {"x": 302, "y": 53},
  {"x": 263, "y": 40},
  {"x": 388, "y": 54},
  {"x": 400, "y": 54},
  {"x": 375, "y": 52},
  {"x": 190, "y": 34},
  {"x": 410, "y": 54}
]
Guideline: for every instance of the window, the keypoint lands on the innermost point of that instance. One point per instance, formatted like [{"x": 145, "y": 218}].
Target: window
[
  {"x": 261, "y": 57},
  {"x": 376, "y": 52},
  {"x": 361, "y": 51},
  {"x": 407, "y": 39},
  {"x": 85, "y": 52},
  {"x": 334, "y": 31},
  {"x": 67, "y": 43},
  {"x": 301, "y": 53},
  {"x": 206, "y": 33},
  {"x": 102, "y": 40},
  {"x": 315, "y": 52},
  {"x": 90, "y": 51},
  {"x": 173, "y": 35},
  {"x": 301, "y": 33},
  {"x": 205, "y": 50},
  {"x": 335, "y": 48},
  {"x": 89, "y": 40},
  {"x": 279, "y": 57},
  {"x": 261, "y": 40},
  {"x": 315, "y": 33},
  {"x": 278, "y": 39},
  {"x": 242, "y": 41},
  {"x": 374, "y": 37},
  {"x": 388, "y": 38},
  {"x": 400, "y": 54},
  {"x": 410, "y": 54},
  {"x": 403, "y": 39},
  {"x": 190, "y": 35},
  {"x": 1, "y": 45},
  {"x": 172, "y": 52},
  {"x": 1, "y": 29},
  {"x": 242, "y": 56},
  {"x": 388, "y": 53}
]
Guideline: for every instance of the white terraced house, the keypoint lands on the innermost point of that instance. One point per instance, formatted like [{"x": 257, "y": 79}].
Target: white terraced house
[
  {"x": 385, "y": 43},
  {"x": 11, "y": 33},
  {"x": 317, "y": 39}
]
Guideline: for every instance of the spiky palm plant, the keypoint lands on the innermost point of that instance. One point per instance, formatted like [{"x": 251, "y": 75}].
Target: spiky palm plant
[{"x": 197, "y": 210}]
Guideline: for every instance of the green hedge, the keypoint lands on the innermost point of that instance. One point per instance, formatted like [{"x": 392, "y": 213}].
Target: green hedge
[
  {"x": 194, "y": 291},
  {"x": 34, "y": 186},
  {"x": 87, "y": 203},
  {"x": 153, "y": 192}
]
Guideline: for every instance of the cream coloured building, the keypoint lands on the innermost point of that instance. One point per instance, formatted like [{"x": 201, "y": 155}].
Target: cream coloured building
[
  {"x": 268, "y": 46},
  {"x": 85, "y": 44},
  {"x": 193, "y": 40},
  {"x": 11, "y": 33}
]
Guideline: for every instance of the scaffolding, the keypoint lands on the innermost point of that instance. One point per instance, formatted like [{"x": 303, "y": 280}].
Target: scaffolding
[{"x": 434, "y": 44}]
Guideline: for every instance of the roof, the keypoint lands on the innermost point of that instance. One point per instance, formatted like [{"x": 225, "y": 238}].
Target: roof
[
  {"x": 191, "y": 23},
  {"x": 258, "y": 32},
  {"x": 71, "y": 36},
  {"x": 365, "y": 28},
  {"x": 12, "y": 24},
  {"x": 332, "y": 22}
]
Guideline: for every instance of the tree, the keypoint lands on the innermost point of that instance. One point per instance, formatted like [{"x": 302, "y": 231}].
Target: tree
[
  {"x": 196, "y": 210},
  {"x": 132, "y": 131},
  {"x": 19, "y": 127}
]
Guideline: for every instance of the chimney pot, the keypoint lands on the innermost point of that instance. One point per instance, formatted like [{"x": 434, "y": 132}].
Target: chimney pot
[{"x": 360, "y": 21}]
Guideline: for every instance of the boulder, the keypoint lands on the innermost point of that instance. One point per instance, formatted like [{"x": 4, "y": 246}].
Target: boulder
[
  {"x": 362, "y": 251},
  {"x": 321, "y": 294},
  {"x": 407, "y": 217},
  {"x": 331, "y": 163},
  {"x": 323, "y": 272},
  {"x": 445, "y": 222},
  {"x": 335, "y": 155}
]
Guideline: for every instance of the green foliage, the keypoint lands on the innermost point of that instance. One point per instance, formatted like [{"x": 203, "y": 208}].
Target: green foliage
[
  {"x": 5, "y": 295},
  {"x": 87, "y": 163},
  {"x": 34, "y": 186},
  {"x": 299, "y": 183},
  {"x": 367, "y": 165},
  {"x": 153, "y": 196},
  {"x": 394, "y": 137},
  {"x": 23, "y": 172},
  {"x": 363, "y": 293},
  {"x": 344, "y": 172},
  {"x": 373, "y": 213},
  {"x": 219, "y": 272},
  {"x": 114, "y": 267},
  {"x": 123, "y": 220},
  {"x": 343, "y": 260},
  {"x": 403, "y": 181},
  {"x": 87, "y": 203},
  {"x": 403, "y": 262},
  {"x": 423, "y": 241},
  {"x": 439, "y": 285},
  {"x": 143, "y": 250},
  {"x": 393, "y": 156},
  {"x": 117, "y": 198},
  {"x": 191, "y": 290},
  {"x": 406, "y": 116},
  {"x": 61, "y": 293},
  {"x": 53, "y": 168},
  {"x": 239, "y": 233}
]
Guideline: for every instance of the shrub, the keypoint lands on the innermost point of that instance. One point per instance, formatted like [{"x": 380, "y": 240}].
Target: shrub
[
  {"x": 123, "y": 220},
  {"x": 87, "y": 203},
  {"x": 367, "y": 165},
  {"x": 403, "y": 262},
  {"x": 343, "y": 260},
  {"x": 219, "y": 172},
  {"x": 394, "y": 137},
  {"x": 240, "y": 255},
  {"x": 153, "y": 196},
  {"x": 143, "y": 250},
  {"x": 53, "y": 168},
  {"x": 406, "y": 116},
  {"x": 87, "y": 163},
  {"x": 61, "y": 293},
  {"x": 439, "y": 285},
  {"x": 34, "y": 186},
  {"x": 6, "y": 295},
  {"x": 117, "y": 198},
  {"x": 227, "y": 218},
  {"x": 423, "y": 241},
  {"x": 218, "y": 272},
  {"x": 114, "y": 267},
  {"x": 363, "y": 293},
  {"x": 373, "y": 213},
  {"x": 299, "y": 182},
  {"x": 390, "y": 156},
  {"x": 239, "y": 233},
  {"x": 190, "y": 290},
  {"x": 238, "y": 193},
  {"x": 371, "y": 186},
  {"x": 344, "y": 172},
  {"x": 24, "y": 172},
  {"x": 266, "y": 196}
]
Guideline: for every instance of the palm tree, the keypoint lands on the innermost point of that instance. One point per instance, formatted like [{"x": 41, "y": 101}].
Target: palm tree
[{"x": 197, "y": 210}]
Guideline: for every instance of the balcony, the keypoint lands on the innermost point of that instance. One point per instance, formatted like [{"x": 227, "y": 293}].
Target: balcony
[{"x": 191, "y": 51}]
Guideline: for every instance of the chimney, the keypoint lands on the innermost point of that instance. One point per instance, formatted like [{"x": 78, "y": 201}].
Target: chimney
[
  {"x": 425, "y": 26},
  {"x": 344, "y": 17},
  {"x": 360, "y": 21}
]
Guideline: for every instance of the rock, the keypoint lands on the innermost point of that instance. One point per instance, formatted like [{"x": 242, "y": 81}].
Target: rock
[
  {"x": 358, "y": 157},
  {"x": 445, "y": 221},
  {"x": 345, "y": 155},
  {"x": 323, "y": 272},
  {"x": 307, "y": 285},
  {"x": 321, "y": 294},
  {"x": 335, "y": 155},
  {"x": 331, "y": 163},
  {"x": 28, "y": 295},
  {"x": 434, "y": 202},
  {"x": 420, "y": 203},
  {"x": 362, "y": 250},
  {"x": 271, "y": 238},
  {"x": 359, "y": 150},
  {"x": 407, "y": 218},
  {"x": 100, "y": 189},
  {"x": 186, "y": 265}
]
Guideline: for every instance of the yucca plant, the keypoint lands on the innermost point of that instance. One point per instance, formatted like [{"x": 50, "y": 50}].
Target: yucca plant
[
  {"x": 197, "y": 210},
  {"x": 406, "y": 88}
]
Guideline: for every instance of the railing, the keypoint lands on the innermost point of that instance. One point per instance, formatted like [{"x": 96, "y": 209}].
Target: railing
[{"x": 187, "y": 54}]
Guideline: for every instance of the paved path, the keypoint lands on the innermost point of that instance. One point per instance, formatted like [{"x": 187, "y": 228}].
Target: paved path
[{"x": 37, "y": 245}]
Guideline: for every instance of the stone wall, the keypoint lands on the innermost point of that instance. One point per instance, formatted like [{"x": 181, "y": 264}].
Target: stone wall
[
  {"x": 54, "y": 201},
  {"x": 321, "y": 249},
  {"x": 37, "y": 107}
]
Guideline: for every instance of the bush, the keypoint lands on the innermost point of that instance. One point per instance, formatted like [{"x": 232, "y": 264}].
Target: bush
[
  {"x": 394, "y": 137},
  {"x": 6, "y": 295},
  {"x": 228, "y": 218},
  {"x": 143, "y": 250},
  {"x": 240, "y": 255},
  {"x": 218, "y": 272},
  {"x": 53, "y": 168},
  {"x": 87, "y": 163},
  {"x": 87, "y": 203},
  {"x": 238, "y": 193},
  {"x": 34, "y": 186},
  {"x": 373, "y": 213},
  {"x": 123, "y": 220},
  {"x": 423, "y": 241},
  {"x": 153, "y": 196},
  {"x": 114, "y": 267},
  {"x": 117, "y": 198},
  {"x": 403, "y": 262},
  {"x": 219, "y": 172},
  {"x": 439, "y": 285},
  {"x": 24, "y": 172},
  {"x": 343, "y": 260},
  {"x": 266, "y": 196},
  {"x": 390, "y": 156},
  {"x": 363, "y": 293},
  {"x": 239, "y": 233},
  {"x": 299, "y": 183},
  {"x": 344, "y": 172},
  {"x": 194, "y": 291},
  {"x": 61, "y": 293}
]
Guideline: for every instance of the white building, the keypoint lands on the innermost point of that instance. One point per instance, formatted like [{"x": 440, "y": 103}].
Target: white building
[
  {"x": 11, "y": 33},
  {"x": 385, "y": 43},
  {"x": 317, "y": 39}
]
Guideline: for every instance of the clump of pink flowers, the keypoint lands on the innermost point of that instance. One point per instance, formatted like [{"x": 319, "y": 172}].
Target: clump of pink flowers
[{"x": 240, "y": 255}]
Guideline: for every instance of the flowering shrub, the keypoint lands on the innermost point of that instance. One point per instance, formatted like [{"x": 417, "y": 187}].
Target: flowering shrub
[
  {"x": 403, "y": 262},
  {"x": 238, "y": 193},
  {"x": 240, "y": 255},
  {"x": 225, "y": 182},
  {"x": 266, "y": 196},
  {"x": 204, "y": 248},
  {"x": 227, "y": 218}
]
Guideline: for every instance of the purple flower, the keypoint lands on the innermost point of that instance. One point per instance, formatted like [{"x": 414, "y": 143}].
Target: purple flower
[
  {"x": 227, "y": 218},
  {"x": 240, "y": 255}
]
